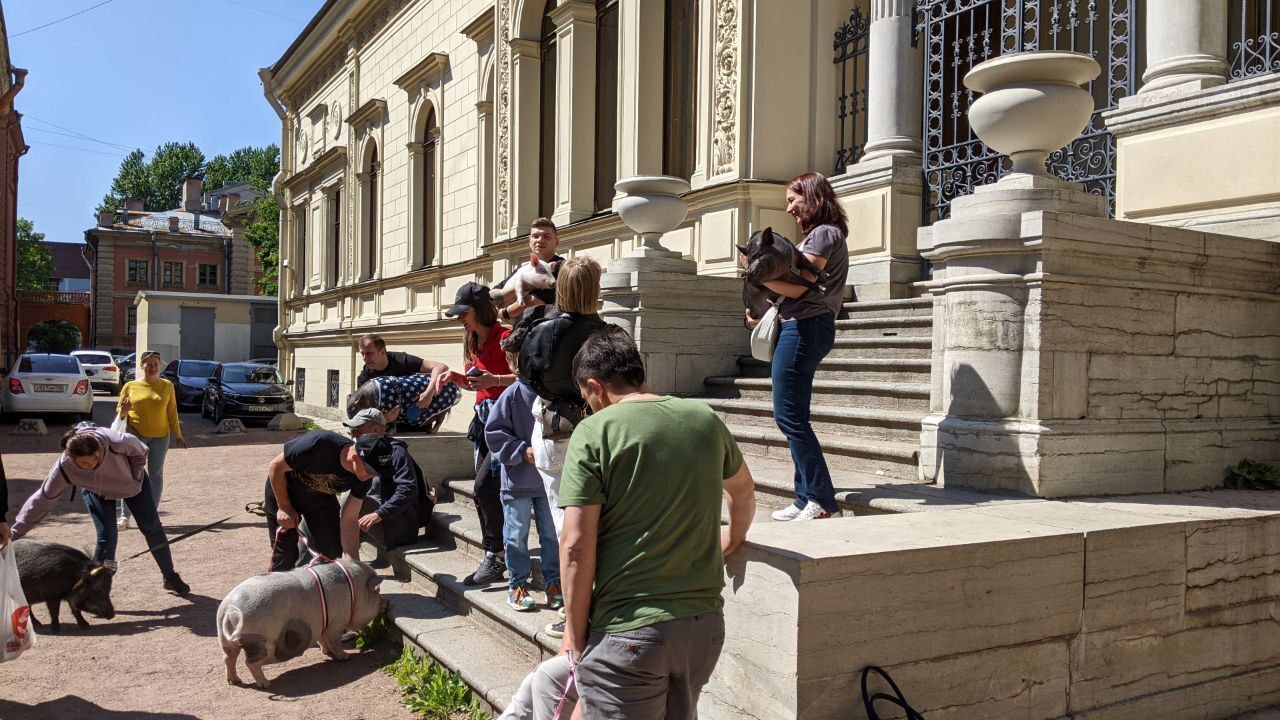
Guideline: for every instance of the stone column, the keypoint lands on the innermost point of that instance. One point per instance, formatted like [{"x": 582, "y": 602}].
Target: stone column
[
  {"x": 575, "y": 111},
  {"x": 1186, "y": 44},
  {"x": 526, "y": 68},
  {"x": 893, "y": 82},
  {"x": 640, "y": 122}
]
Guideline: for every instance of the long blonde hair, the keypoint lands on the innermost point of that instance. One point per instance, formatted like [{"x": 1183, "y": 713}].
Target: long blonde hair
[{"x": 578, "y": 286}]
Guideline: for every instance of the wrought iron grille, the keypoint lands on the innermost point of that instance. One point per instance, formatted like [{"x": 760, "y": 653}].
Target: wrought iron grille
[
  {"x": 958, "y": 34},
  {"x": 331, "y": 397},
  {"x": 1253, "y": 27},
  {"x": 851, "y": 46},
  {"x": 299, "y": 384}
]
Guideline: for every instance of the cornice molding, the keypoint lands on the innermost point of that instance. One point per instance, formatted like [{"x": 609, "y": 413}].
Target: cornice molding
[
  {"x": 431, "y": 68},
  {"x": 367, "y": 113},
  {"x": 320, "y": 165},
  {"x": 481, "y": 28}
]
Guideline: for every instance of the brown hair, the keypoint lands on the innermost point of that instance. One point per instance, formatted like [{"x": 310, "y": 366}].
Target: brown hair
[
  {"x": 578, "y": 286},
  {"x": 376, "y": 340},
  {"x": 820, "y": 202},
  {"x": 80, "y": 444},
  {"x": 543, "y": 223},
  {"x": 487, "y": 316}
]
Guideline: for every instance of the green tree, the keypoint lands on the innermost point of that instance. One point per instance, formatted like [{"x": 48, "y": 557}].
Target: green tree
[
  {"x": 264, "y": 233},
  {"x": 35, "y": 262},
  {"x": 258, "y": 167},
  {"x": 158, "y": 182},
  {"x": 54, "y": 336}
]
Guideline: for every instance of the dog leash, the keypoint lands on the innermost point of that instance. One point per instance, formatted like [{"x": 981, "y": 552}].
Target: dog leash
[
  {"x": 568, "y": 686},
  {"x": 181, "y": 537},
  {"x": 317, "y": 557}
]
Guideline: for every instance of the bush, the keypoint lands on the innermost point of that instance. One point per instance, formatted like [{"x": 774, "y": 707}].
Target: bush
[
  {"x": 54, "y": 336},
  {"x": 1250, "y": 475},
  {"x": 433, "y": 692}
]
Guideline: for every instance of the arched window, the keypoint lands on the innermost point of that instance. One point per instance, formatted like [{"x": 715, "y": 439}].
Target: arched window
[
  {"x": 335, "y": 235},
  {"x": 679, "y": 87},
  {"x": 304, "y": 270},
  {"x": 606, "y": 102},
  {"x": 371, "y": 216},
  {"x": 429, "y": 152},
  {"x": 547, "y": 143}
]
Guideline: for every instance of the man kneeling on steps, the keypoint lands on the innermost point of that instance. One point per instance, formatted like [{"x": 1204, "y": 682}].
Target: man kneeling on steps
[
  {"x": 398, "y": 502},
  {"x": 304, "y": 481}
]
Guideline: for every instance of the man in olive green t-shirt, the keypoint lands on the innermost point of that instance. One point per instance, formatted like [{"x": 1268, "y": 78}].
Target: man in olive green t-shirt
[{"x": 642, "y": 545}]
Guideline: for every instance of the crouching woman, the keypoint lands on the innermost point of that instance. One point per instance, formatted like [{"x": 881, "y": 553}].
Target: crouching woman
[{"x": 106, "y": 466}]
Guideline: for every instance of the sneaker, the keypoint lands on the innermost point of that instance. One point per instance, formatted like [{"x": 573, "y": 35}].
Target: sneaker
[
  {"x": 555, "y": 597},
  {"x": 123, "y": 522},
  {"x": 520, "y": 599},
  {"x": 491, "y": 570},
  {"x": 555, "y": 630},
  {"x": 787, "y": 514},
  {"x": 174, "y": 584},
  {"x": 560, "y": 611},
  {"x": 814, "y": 511}
]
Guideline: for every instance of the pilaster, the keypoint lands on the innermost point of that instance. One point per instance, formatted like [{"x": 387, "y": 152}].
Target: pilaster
[
  {"x": 640, "y": 58},
  {"x": 575, "y": 111},
  {"x": 1186, "y": 44},
  {"x": 526, "y": 66},
  {"x": 894, "y": 80}
]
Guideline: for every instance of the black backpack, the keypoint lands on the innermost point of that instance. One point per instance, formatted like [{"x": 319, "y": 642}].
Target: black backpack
[{"x": 546, "y": 357}]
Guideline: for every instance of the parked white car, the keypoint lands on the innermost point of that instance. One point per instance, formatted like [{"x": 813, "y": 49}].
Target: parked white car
[
  {"x": 101, "y": 369},
  {"x": 47, "y": 383}
]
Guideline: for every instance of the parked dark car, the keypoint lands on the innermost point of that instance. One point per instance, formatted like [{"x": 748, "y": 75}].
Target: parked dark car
[
  {"x": 128, "y": 367},
  {"x": 245, "y": 390},
  {"x": 189, "y": 378}
]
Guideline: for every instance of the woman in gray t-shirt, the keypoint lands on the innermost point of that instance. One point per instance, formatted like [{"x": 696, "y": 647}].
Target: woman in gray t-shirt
[{"x": 807, "y": 334}]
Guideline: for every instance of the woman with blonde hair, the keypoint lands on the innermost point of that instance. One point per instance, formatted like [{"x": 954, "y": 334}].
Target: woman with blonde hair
[{"x": 150, "y": 407}]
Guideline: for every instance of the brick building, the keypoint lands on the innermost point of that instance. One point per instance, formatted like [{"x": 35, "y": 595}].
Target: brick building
[
  {"x": 196, "y": 248},
  {"x": 12, "y": 147}
]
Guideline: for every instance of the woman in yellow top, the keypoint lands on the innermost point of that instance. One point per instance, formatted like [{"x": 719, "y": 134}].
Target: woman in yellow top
[{"x": 151, "y": 408}]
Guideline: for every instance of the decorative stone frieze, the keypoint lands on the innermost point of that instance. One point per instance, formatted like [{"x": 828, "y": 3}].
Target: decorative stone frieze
[{"x": 724, "y": 156}]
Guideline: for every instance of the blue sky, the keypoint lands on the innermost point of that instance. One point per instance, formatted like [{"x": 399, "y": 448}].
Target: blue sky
[{"x": 137, "y": 73}]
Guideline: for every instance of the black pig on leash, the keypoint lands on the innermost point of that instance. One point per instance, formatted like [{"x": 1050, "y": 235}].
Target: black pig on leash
[
  {"x": 771, "y": 256},
  {"x": 51, "y": 573}
]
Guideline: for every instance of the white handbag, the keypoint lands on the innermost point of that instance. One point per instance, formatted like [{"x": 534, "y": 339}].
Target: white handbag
[{"x": 764, "y": 337}]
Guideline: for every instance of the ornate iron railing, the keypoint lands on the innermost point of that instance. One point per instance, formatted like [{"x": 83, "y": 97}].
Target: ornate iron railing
[
  {"x": 852, "y": 42},
  {"x": 299, "y": 383},
  {"x": 53, "y": 297},
  {"x": 1253, "y": 29},
  {"x": 331, "y": 398},
  {"x": 958, "y": 34}
]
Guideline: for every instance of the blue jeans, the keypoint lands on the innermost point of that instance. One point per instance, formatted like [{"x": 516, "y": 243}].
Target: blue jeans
[
  {"x": 157, "y": 449},
  {"x": 516, "y": 514},
  {"x": 802, "y": 344},
  {"x": 143, "y": 506}
]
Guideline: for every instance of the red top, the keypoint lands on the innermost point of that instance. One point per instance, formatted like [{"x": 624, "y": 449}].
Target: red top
[{"x": 493, "y": 360}]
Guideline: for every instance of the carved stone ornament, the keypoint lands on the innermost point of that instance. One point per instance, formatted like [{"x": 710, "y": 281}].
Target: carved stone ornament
[
  {"x": 725, "y": 141},
  {"x": 502, "y": 115}
]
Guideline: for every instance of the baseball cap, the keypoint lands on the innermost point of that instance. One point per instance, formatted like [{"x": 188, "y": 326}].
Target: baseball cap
[
  {"x": 470, "y": 295},
  {"x": 366, "y": 416},
  {"x": 375, "y": 451}
]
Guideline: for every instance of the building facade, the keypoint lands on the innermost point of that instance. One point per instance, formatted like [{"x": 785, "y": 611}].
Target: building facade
[
  {"x": 421, "y": 137},
  {"x": 206, "y": 326},
  {"x": 188, "y": 249},
  {"x": 70, "y": 271},
  {"x": 12, "y": 147}
]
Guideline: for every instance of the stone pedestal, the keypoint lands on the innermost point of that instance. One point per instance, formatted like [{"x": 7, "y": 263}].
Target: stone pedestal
[
  {"x": 687, "y": 326},
  {"x": 1078, "y": 355},
  {"x": 882, "y": 195}
]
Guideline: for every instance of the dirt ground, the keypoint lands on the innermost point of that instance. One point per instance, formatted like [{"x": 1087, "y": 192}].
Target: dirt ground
[{"x": 159, "y": 658}]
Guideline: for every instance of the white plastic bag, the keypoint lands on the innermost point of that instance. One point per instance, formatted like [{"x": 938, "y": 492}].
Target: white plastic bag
[
  {"x": 16, "y": 634},
  {"x": 120, "y": 424}
]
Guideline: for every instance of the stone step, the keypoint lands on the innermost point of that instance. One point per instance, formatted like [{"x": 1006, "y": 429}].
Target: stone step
[
  {"x": 892, "y": 425},
  {"x": 911, "y": 397},
  {"x": 893, "y": 460},
  {"x": 914, "y": 348},
  {"x": 909, "y": 326},
  {"x": 859, "y": 369},
  {"x": 490, "y": 665},
  {"x": 889, "y": 308}
]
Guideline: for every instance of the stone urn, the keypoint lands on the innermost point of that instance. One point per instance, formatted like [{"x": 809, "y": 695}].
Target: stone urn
[
  {"x": 1031, "y": 104},
  {"x": 652, "y": 207}
]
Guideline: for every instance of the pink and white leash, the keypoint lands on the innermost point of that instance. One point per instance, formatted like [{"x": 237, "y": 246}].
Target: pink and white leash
[
  {"x": 568, "y": 686},
  {"x": 316, "y": 557}
]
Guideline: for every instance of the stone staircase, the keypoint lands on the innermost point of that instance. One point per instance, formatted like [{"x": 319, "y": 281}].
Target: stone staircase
[{"x": 869, "y": 394}]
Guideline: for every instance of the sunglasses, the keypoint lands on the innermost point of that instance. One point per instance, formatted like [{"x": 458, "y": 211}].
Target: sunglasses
[{"x": 150, "y": 354}]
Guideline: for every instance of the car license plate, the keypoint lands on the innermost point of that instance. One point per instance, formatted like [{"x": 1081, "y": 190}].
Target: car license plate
[
  {"x": 260, "y": 408},
  {"x": 51, "y": 388}
]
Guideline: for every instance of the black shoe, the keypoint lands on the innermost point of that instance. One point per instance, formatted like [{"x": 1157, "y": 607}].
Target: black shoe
[
  {"x": 555, "y": 630},
  {"x": 491, "y": 570},
  {"x": 174, "y": 584}
]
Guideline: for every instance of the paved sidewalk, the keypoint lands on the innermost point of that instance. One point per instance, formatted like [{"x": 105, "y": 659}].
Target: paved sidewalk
[{"x": 159, "y": 658}]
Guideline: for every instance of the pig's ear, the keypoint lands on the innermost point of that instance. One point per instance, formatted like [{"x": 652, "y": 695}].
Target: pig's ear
[
  {"x": 742, "y": 249},
  {"x": 533, "y": 259},
  {"x": 766, "y": 236}
]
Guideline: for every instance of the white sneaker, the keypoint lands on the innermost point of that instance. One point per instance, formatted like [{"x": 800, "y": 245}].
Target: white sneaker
[
  {"x": 787, "y": 514},
  {"x": 122, "y": 523},
  {"x": 814, "y": 511}
]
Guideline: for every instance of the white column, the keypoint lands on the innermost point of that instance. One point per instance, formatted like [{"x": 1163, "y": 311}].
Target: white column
[
  {"x": 640, "y": 58},
  {"x": 1186, "y": 44},
  {"x": 894, "y": 93},
  {"x": 526, "y": 84},
  {"x": 575, "y": 111}
]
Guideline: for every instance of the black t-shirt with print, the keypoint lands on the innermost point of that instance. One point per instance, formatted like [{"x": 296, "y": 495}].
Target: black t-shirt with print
[
  {"x": 399, "y": 364},
  {"x": 316, "y": 459}
]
